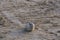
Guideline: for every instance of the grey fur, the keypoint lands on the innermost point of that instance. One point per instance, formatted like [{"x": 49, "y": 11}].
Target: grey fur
[{"x": 29, "y": 26}]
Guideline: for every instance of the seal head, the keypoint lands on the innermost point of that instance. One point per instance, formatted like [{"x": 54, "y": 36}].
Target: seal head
[{"x": 29, "y": 27}]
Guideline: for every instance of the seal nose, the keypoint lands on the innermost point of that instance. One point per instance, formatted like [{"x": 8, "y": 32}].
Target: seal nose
[{"x": 29, "y": 27}]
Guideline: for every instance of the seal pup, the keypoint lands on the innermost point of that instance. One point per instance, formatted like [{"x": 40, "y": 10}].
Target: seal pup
[{"x": 29, "y": 27}]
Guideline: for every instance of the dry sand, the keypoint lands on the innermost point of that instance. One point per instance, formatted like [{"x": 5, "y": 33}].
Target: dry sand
[{"x": 45, "y": 14}]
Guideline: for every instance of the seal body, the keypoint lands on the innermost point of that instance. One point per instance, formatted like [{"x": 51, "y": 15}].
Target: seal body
[{"x": 29, "y": 27}]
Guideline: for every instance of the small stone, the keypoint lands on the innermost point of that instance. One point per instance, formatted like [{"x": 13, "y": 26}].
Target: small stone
[
  {"x": 58, "y": 31},
  {"x": 1, "y": 37},
  {"x": 27, "y": 0},
  {"x": 51, "y": 32}
]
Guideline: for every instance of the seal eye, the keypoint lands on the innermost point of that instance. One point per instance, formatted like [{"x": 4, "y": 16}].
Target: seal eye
[{"x": 29, "y": 27}]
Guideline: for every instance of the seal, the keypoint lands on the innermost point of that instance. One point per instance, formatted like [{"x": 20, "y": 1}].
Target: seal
[{"x": 29, "y": 27}]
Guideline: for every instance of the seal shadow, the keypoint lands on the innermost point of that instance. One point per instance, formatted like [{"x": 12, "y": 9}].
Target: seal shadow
[{"x": 16, "y": 33}]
